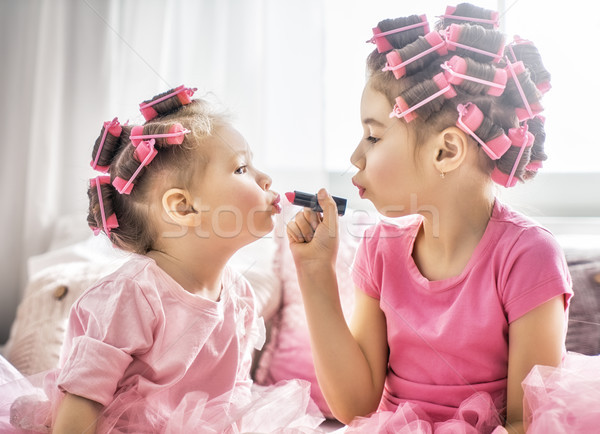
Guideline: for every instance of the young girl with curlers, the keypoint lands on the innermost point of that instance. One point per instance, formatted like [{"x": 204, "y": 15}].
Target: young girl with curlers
[
  {"x": 165, "y": 343},
  {"x": 459, "y": 296}
]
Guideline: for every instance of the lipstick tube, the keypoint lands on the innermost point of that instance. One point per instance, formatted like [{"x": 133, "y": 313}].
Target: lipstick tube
[{"x": 310, "y": 201}]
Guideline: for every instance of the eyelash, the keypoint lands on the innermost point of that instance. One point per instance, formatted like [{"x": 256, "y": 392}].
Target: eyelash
[
  {"x": 241, "y": 170},
  {"x": 372, "y": 139}
]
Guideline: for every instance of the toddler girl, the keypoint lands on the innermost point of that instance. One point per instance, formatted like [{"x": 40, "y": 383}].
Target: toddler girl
[
  {"x": 459, "y": 297},
  {"x": 164, "y": 344}
]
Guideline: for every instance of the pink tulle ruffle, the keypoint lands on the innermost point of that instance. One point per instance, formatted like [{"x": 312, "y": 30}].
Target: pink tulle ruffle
[
  {"x": 475, "y": 415},
  {"x": 564, "y": 400},
  {"x": 27, "y": 405}
]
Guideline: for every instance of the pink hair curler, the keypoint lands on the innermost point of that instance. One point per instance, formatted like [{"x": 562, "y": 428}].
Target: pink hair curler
[
  {"x": 402, "y": 110},
  {"x": 173, "y": 137},
  {"x": 107, "y": 223},
  {"x": 114, "y": 129},
  {"x": 383, "y": 44},
  {"x": 145, "y": 153},
  {"x": 450, "y": 10},
  {"x": 529, "y": 110},
  {"x": 521, "y": 138},
  {"x": 397, "y": 66},
  {"x": 469, "y": 120},
  {"x": 453, "y": 35},
  {"x": 182, "y": 93},
  {"x": 544, "y": 86},
  {"x": 455, "y": 71}
]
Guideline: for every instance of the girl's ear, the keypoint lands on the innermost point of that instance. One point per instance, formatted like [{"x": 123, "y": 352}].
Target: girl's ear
[
  {"x": 179, "y": 207},
  {"x": 450, "y": 150}
]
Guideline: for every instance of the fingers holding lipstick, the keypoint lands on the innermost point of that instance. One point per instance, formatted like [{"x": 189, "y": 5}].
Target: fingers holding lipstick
[
  {"x": 313, "y": 237},
  {"x": 303, "y": 227}
]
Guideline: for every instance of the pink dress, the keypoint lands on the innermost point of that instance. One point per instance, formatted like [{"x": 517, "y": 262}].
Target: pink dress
[
  {"x": 448, "y": 339},
  {"x": 160, "y": 359}
]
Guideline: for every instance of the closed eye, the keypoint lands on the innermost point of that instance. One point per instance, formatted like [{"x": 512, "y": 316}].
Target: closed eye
[{"x": 372, "y": 139}]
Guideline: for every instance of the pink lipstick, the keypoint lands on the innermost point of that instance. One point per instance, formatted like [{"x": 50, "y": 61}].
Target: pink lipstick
[{"x": 310, "y": 201}]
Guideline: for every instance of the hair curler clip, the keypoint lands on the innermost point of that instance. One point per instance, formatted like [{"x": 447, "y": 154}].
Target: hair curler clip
[
  {"x": 402, "y": 110},
  {"x": 452, "y": 34},
  {"x": 144, "y": 153},
  {"x": 455, "y": 71},
  {"x": 544, "y": 86},
  {"x": 528, "y": 110},
  {"x": 517, "y": 40},
  {"x": 522, "y": 138},
  {"x": 114, "y": 129},
  {"x": 469, "y": 120},
  {"x": 384, "y": 45},
  {"x": 107, "y": 223},
  {"x": 175, "y": 135},
  {"x": 534, "y": 165},
  {"x": 450, "y": 10},
  {"x": 397, "y": 66},
  {"x": 184, "y": 94}
]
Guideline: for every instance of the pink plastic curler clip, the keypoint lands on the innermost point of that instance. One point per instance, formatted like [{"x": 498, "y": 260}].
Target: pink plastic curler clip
[
  {"x": 469, "y": 120},
  {"x": 455, "y": 71},
  {"x": 383, "y": 44},
  {"x": 107, "y": 223},
  {"x": 173, "y": 137},
  {"x": 529, "y": 110},
  {"x": 184, "y": 94},
  {"x": 397, "y": 66},
  {"x": 145, "y": 153},
  {"x": 534, "y": 165},
  {"x": 450, "y": 10},
  {"x": 543, "y": 87},
  {"x": 523, "y": 139},
  {"x": 114, "y": 129},
  {"x": 402, "y": 110},
  {"x": 453, "y": 35}
]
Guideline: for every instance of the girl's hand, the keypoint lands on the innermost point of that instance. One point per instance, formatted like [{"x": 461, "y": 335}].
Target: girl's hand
[{"x": 314, "y": 237}]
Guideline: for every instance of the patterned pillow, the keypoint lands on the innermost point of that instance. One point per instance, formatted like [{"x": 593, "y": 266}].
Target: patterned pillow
[
  {"x": 583, "y": 335},
  {"x": 38, "y": 330}
]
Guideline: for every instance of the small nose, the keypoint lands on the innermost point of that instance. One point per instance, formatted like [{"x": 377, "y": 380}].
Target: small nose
[
  {"x": 264, "y": 180},
  {"x": 358, "y": 157}
]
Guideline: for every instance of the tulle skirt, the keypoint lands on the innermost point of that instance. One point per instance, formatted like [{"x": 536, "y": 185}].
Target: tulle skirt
[
  {"x": 559, "y": 400},
  {"x": 27, "y": 406},
  {"x": 475, "y": 415},
  {"x": 564, "y": 400}
]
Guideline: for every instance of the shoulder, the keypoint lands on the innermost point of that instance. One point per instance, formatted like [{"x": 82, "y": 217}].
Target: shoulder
[
  {"x": 387, "y": 243},
  {"x": 133, "y": 282},
  {"x": 533, "y": 266},
  {"x": 522, "y": 235},
  {"x": 386, "y": 231}
]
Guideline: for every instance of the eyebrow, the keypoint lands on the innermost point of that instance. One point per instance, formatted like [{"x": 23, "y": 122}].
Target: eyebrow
[{"x": 372, "y": 121}]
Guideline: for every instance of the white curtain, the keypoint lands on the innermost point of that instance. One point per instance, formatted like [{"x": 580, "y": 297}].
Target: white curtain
[{"x": 69, "y": 65}]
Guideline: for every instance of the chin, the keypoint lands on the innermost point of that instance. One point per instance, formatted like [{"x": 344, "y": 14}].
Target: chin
[{"x": 261, "y": 228}]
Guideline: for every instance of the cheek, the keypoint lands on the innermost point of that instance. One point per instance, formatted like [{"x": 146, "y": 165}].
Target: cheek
[
  {"x": 386, "y": 167},
  {"x": 252, "y": 210}
]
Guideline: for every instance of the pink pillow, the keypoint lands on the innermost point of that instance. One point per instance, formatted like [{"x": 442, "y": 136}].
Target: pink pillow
[{"x": 287, "y": 355}]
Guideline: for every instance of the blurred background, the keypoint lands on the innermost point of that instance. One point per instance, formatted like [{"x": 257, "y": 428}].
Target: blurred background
[{"x": 291, "y": 72}]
